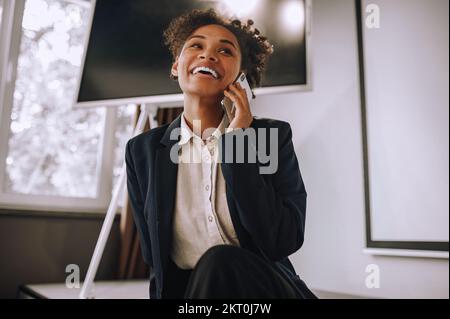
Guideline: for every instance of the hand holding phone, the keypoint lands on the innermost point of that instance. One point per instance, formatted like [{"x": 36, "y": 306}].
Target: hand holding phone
[{"x": 228, "y": 105}]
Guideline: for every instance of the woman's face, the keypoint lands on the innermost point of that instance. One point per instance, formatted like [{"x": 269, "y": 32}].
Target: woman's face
[{"x": 209, "y": 61}]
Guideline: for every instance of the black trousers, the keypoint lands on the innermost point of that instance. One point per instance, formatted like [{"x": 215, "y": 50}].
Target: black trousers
[{"x": 229, "y": 272}]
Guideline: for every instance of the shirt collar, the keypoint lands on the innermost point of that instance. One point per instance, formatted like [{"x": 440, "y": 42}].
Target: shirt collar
[{"x": 187, "y": 134}]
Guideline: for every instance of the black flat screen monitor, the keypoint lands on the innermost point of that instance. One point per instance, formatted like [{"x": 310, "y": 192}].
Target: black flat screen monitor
[{"x": 126, "y": 61}]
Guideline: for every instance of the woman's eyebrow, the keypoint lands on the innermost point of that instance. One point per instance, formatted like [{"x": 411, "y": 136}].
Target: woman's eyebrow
[{"x": 203, "y": 37}]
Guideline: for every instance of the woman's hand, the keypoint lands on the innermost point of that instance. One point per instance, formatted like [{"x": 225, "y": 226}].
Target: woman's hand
[{"x": 242, "y": 113}]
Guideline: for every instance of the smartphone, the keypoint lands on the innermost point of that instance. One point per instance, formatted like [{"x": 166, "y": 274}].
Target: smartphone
[{"x": 228, "y": 105}]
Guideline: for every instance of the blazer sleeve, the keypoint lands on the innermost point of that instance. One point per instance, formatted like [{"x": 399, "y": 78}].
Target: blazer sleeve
[
  {"x": 271, "y": 208},
  {"x": 137, "y": 204}
]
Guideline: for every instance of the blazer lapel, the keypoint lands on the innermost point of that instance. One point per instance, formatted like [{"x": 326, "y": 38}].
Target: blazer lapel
[
  {"x": 243, "y": 236},
  {"x": 166, "y": 172}
]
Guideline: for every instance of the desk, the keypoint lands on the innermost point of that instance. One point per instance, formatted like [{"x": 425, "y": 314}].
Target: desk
[{"x": 117, "y": 289}]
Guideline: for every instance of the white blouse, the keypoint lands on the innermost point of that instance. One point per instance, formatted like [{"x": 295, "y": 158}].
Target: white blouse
[{"x": 201, "y": 216}]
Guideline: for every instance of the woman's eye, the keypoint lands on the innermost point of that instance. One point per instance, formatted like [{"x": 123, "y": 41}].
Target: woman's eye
[
  {"x": 196, "y": 45},
  {"x": 227, "y": 51}
]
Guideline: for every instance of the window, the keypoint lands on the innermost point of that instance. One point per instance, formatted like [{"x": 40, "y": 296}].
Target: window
[{"x": 52, "y": 156}]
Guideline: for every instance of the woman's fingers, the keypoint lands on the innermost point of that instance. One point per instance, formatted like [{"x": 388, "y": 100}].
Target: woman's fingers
[
  {"x": 233, "y": 96},
  {"x": 243, "y": 116},
  {"x": 238, "y": 90}
]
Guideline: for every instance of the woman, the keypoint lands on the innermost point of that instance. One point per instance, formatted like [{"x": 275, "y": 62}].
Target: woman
[{"x": 217, "y": 228}]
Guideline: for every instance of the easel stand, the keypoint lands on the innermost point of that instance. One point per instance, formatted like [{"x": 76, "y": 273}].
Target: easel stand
[{"x": 148, "y": 111}]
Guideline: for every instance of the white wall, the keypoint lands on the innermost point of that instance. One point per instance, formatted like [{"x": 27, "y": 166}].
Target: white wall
[{"x": 328, "y": 140}]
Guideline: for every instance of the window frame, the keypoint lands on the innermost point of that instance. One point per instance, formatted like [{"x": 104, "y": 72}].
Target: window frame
[{"x": 10, "y": 38}]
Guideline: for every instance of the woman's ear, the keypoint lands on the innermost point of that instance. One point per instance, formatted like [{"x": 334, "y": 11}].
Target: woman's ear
[{"x": 174, "y": 70}]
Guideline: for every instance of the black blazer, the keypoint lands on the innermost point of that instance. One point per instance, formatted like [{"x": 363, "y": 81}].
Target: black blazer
[{"x": 267, "y": 210}]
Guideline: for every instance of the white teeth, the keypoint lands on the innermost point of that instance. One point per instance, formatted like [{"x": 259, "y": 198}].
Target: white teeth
[{"x": 205, "y": 69}]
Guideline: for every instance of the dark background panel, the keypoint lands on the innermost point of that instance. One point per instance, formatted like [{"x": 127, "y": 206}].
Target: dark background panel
[{"x": 126, "y": 56}]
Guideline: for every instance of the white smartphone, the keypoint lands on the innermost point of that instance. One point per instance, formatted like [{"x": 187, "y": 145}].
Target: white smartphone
[{"x": 228, "y": 105}]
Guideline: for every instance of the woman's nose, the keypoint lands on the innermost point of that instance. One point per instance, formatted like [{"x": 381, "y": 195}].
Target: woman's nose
[{"x": 208, "y": 56}]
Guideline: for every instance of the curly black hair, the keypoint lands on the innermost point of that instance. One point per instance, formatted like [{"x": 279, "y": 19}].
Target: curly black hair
[{"x": 255, "y": 48}]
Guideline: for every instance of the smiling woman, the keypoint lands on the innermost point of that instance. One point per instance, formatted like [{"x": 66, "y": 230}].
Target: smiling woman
[
  {"x": 221, "y": 48},
  {"x": 211, "y": 52},
  {"x": 255, "y": 47},
  {"x": 217, "y": 230}
]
